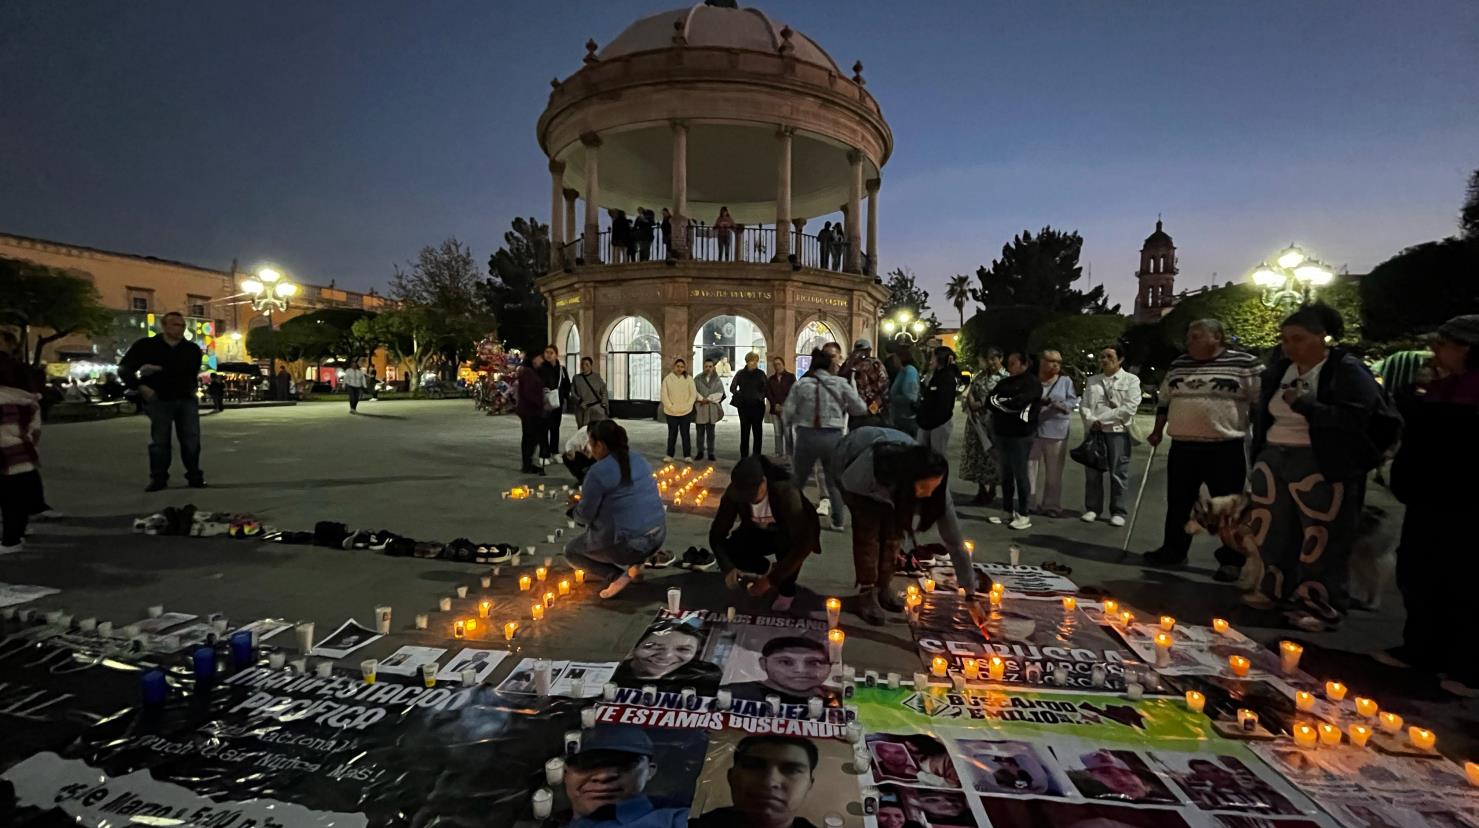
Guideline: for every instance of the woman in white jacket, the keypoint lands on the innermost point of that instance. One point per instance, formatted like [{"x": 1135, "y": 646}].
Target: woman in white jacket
[
  {"x": 678, "y": 397},
  {"x": 1107, "y": 407}
]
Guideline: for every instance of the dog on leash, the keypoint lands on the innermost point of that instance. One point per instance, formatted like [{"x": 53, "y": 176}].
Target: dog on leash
[{"x": 1373, "y": 550}]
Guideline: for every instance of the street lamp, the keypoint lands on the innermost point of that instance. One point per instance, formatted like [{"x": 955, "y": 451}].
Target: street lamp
[
  {"x": 269, "y": 292},
  {"x": 1292, "y": 279},
  {"x": 902, "y": 329}
]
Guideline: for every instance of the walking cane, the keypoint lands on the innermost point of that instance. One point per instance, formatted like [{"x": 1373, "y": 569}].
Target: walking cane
[{"x": 1135, "y": 513}]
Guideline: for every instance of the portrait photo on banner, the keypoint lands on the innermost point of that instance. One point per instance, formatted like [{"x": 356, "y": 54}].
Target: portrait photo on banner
[
  {"x": 647, "y": 774},
  {"x": 1010, "y": 767},
  {"x": 768, "y": 779},
  {"x": 782, "y": 657},
  {"x": 905, "y": 806},
  {"x": 672, "y": 653}
]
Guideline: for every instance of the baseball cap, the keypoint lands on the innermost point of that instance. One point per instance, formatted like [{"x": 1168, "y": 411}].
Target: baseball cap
[
  {"x": 1463, "y": 329},
  {"x": 863, "y": 344},
  {"x": 618, "y": 738}
]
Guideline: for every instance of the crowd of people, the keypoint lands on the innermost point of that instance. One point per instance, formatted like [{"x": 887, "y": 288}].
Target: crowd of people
[{"x": 643, "y": 236}]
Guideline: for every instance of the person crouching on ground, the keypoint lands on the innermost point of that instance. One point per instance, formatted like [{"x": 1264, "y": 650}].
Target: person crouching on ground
[
  {"x": 20, "y": 431},
  {"x": 775, "y": 520},
  {"x": 577, "y": 454},
  {"x": 621, "y": 510},
  {"x": 893, "y": 486}
]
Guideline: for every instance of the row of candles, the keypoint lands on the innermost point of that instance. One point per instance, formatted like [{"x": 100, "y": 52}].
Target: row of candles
[
  {"x": 670, "y": 477},
  {"x": 462, "y": 627}
]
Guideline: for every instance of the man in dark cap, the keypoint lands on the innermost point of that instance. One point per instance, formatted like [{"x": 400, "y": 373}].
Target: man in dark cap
[
  {"x": 775, "y": 520},
  {"x": 605, "y": 780}
]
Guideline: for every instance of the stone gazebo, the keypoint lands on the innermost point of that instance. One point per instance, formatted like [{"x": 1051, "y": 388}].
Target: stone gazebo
[{"x": 692, "y": 110}]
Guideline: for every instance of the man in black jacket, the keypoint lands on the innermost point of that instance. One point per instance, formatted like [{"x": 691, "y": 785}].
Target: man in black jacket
[
  {"x": 775, "y": 520},
  {"x": 165, "y": 371},
  {"x": 557, "y": 379}
]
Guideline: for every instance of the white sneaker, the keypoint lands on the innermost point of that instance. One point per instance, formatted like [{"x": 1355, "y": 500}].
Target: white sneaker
[
  {"x": 1020, "y": 522},
  {"x": 667, "y": 458},
  {"x": 1117, "y": 520},
  {"x": 1088, "y": 517},
  {"x": 11, "y": 550},
  {"x": 824, "y": 507}
]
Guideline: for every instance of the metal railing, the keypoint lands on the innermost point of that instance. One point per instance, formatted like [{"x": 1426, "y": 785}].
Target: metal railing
[{"x": 754, "y": 244}]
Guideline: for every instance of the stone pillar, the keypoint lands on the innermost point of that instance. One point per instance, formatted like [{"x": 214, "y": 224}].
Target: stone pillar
[
  {"x": 783, "y": 195},
  {"x": 854, "y": 260},
  {"x": 872, "y": 186},
  {"x": 679, "y": 243},
  {"x": 798, "y": 246},
  {"x": 570, "y": 196},
  {"x": 557, "y": 214},
  {"x": 592, "y": 143}
]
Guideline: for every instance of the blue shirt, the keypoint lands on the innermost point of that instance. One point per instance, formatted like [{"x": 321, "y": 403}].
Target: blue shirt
[
  {"x": 637, "y": 812},
  {"x": 615, "y": 510}
]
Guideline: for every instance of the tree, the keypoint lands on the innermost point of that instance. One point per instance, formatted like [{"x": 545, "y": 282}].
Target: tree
[
  {"x": 905, "y": 292},
  {"x": 1006, "y": 327},
  {"x": 1040, "y": 271},
  {"x": 958, "y": 291},
  {"x": 1420, "y": 288},
  {"x": 1468, "y": 215},
  {"x": 38, "y": 297},
  {"x": 442, "y": 315},
  {"x": 329, "y": 334},
  {"x": 1079, "y": 338},
  {"x": 510, "y": 291}
]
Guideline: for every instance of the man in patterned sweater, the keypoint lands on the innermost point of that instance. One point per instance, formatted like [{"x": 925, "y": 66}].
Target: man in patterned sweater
[{"x": 1204, "y": 404}]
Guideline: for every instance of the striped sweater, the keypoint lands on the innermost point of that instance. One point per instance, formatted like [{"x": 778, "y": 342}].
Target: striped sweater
[{"x": 1208, "y": 400}]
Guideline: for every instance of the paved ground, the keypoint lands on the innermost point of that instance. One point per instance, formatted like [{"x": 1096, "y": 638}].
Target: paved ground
[{"x": 435, "y": 470}]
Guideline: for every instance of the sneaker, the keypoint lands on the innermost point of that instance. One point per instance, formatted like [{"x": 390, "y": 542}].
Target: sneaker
[
  {"x": 11, "y": 548},
  {"x": 1258, "y": 600},
  {"x": 198, "y": 484},
  {"x": 1163, "y": 559},
  {"x": 687, "y": 459},
  {"x": 997, "y": 520},
  {"x": 700, "y": 560},
  {"x": 1227, "y": 573},
  {"x": 782, "y": 603},
  {"x": 662, "y": 559},
  {"x": 824, "y": 507},
  {"x": 1117, "y": 520},
  {"x": 1020, "y": 522},
  {"x": 869, "y": 609},
  {"x": 1089, "y": 517},
  {"x": 667, "y": 458},
  {"x": 155, "y": 486},
  {"x": 500, "y": 554}
]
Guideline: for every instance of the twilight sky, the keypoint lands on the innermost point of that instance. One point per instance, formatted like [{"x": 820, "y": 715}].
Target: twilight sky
[{"x": 336, "y": 138}]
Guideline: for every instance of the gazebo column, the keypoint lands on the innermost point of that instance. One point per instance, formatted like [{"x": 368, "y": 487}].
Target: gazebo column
[
  {"x": 783, "y": 194},
  {"x": 592, "y": 143},
  {"x": 799, "y": 246},
  {"x": 853, "y": 263},
  {"x": 570, "y": 234},
  {"x": 872, "y": 264},
  {"x": 679, "y": 242},
  {"x": 557, "y": 214}
]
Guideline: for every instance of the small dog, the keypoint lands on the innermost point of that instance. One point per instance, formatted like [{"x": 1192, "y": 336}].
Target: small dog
[{"x": 1373, "y": 551}]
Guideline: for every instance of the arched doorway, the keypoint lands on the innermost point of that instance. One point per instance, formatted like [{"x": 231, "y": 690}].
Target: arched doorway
[
  {"x": 633, "y": 363},
  {"x": 726, "y": 340},
  {"x": 570, "y": 347},
  {"x": 815, "y": 334}
]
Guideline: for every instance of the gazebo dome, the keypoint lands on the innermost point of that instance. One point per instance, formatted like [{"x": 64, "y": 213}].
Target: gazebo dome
[{"x": 715, "y": 27}]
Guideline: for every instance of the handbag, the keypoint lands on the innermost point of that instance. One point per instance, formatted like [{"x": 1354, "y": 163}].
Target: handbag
[
  {"x": 1091, "y": 453},
  {"x": 551, "y": 399}
]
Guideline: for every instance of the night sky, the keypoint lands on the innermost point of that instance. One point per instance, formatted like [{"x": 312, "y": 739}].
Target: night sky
[{"x": 337, "y": 138}]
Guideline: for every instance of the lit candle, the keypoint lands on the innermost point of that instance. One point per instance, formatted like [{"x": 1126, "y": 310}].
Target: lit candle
[
  {"x": 1334, "y": 691},
  {"x": 1247, "y": 720},
  {"x": 509, "y": 629},
  {"x": 1220, "y": 626},
  {"x": 1168, "y": 623},
  {"x": 834, "y": 612},
  {"x": 971, "y": 668},
  {"x": 1365, "y": 707},
  {"x": 1391, "y": 722},
  {"x": 458, "y": 629},
  {"x": 1069, "y": 603},
  {"x": 929, "y": 584},
  {"x": 835, "y": 637},
  {"x": 1471, "y": 770},
  {"x": 1239, "y": 665},
  {"x": 1329, "y": 735},
  {"x": 1359, "y": 734},
  {"x": 536, "y": 611},
  {"x": 996, "y": 668},
  {"x": 549, "y": 599},
  {"x": 998, "y": 586},
  {"x": 913, "y": 601},
  {"x": 564, "y": 586},
  {"x": 484, "y": 606},
  {"x": 911, "y": 590},
  {"x": 580, "y": 576},
  {"x": 1111, "y": 607},
  {"x": 1289, "y": 654},
  {"x": 540, "y": 574},
  {"x": 472, "y": 624},
  {"x": 1421, "y": 738},
  {"x": 1127, "y": 618},
  {"x": 1305, "y": 736},
  {"x": 1304, "y": 701},
  {"x": 524, "y": 583},
  {"x": 939, "y": 666},
  {"x": 970, "y": 547},
  {"x": 1162, "y": 649},
  {"x": 995, "y": 598},
  {"x": 1195, "y": 702}
]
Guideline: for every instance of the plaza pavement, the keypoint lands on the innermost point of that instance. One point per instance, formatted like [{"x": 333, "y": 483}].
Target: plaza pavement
[{"x": 434, "y": 470}]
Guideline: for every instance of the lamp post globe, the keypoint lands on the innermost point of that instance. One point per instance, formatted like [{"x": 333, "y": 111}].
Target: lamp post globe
[
  {"x": 1292, "y": 279},
  {"x": 269, "y": 291}
]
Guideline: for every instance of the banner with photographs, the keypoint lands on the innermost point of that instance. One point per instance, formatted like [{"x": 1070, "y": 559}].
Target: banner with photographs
[
  {"x": 775, "y": 778},
  {"x": 1036, "y": 638},
  {"x": 1026, "y": 580},
  {"x": 1363, "y": 787}
]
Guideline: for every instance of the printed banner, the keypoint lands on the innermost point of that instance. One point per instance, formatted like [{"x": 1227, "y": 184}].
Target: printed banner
[
  {"x": 767, "y": 777},
  {"x": 408, "y": 659},
  {"x": 566, "y": 678},
  {"x": 1026, "y": 580},
  {"x": 12, "y": 594},
  {"x": 350, "y": 636},
  {"x": 1363, "y": 787},
  {"x": 472, "y": 658}
]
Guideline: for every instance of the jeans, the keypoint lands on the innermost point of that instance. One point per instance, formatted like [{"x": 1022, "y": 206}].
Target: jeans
[
  {"x": 749, "y": 549},
  {"x": 937, "y": 438},
  {"x": 1117, "y": 445},
  {"x": 168, "y": 418},
  {"x": 354, "y": 392},
  {"x": 551, "y": 447},
  {"x": 875, "y": 541},
  {"x": 1223, "y": 466},
  {"x": 1047, "y": 456},
  {"x": 675, "y": 426},
  {"x": 18, "y": 495},
  {"x": 532, "y": 436},
  {"x": 609, "y": 558},
  {"x": 1014, "y": 480},
  {"x": 785, "y": 439},
  {"x": 815, "y": 445},
  {"x": 705, "y": 438},
  {"x": 752, "y": 423}
]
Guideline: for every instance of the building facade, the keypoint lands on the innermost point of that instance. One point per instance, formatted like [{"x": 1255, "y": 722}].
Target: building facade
[{"x": 1156, "y": 276}]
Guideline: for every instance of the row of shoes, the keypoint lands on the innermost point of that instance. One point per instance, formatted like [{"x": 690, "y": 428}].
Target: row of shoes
[{"x": 188, "y": 521}]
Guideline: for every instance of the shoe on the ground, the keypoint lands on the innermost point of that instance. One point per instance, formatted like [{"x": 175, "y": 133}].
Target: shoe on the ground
[
  {"x": 889, "y": 601},
  {"x": 1309, "y": 621},
  {"x": 1117, "y": 520},
  {"x": 1164, "y": 559},
  {"x": 869, "y": 609},
  {"x": 1020, "y": 522},
  {"x": 661, "y": 559},
  {"x": 687, "y": 459},
  {"x": 1460, "y": 689},
  {"x": 700, "y": 560},
  {"x": 824, "y": 507},
  {"x": 1089, "y": 517},
  {"x": 155, "y": 486},
  {"x": 500, "y": 554},
  {"x": 11, "y": 548},
  {"x": 48, "y": 514},
  {"x": 1258, "y": 600},
  {"x": 1227, "y": 574},
  {"x": 198, "y": 484},
  {"x": 711, "y": 457},
  {"x": 782, "y": 603},
  {"x": 667, "y": 458},
  {"x": 996, "y": 520}
]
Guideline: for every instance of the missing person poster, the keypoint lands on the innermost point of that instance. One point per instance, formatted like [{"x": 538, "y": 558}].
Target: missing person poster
[
  {"x": 770, "y": 778},
  {"x": 647, "y": 774},
  {"x": 1364, "y": 787}
]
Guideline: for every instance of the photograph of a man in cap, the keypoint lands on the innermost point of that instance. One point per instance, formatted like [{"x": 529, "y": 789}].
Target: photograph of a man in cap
[
  {"x": 775, "y": 521},
  {"x": 768, "y": 784},
  {"x": 606, "y": 779},
  {"x": 795, "y": 668}
]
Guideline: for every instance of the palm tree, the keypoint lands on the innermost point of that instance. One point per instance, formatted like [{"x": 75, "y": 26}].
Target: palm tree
[{"x": 958, "y": 291}]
